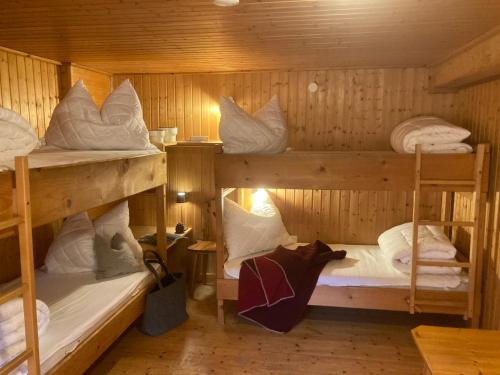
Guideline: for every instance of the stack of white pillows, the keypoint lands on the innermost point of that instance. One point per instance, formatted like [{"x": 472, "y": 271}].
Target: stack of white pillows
[
  {"x": 78, "y": 124},
  {"x": 73, "y": 249},
  {"x": 264, "y": 132}
]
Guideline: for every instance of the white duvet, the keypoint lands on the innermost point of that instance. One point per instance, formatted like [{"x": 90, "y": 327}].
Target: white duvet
[
  {"x": 78, "y": 124},
  {"x": 433, "y": 133},
  {"x": 364, "y": 265},
  {"x": 17, "y": 137},
  {"x": 396, "y": 243}
]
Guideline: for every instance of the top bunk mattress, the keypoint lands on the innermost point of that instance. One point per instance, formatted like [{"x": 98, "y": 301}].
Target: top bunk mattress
[
  {"x": 364, "y": 265},
  {"x": 48, "y": 156}
]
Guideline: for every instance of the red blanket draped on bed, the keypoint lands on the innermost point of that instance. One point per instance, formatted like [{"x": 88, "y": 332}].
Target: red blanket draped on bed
[{"x": 274, "y": 289}]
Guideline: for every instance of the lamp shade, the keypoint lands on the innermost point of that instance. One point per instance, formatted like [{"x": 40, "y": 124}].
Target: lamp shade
[{"x": 181, "y": 197}]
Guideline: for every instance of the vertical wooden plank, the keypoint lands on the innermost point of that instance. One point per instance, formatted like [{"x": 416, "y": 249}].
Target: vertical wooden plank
[
  {"x": 14, "y": 83},
  {"x": 23, "y": 90}
]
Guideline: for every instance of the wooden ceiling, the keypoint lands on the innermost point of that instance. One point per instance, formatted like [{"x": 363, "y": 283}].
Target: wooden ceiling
[{"x": 196, "y": 36}]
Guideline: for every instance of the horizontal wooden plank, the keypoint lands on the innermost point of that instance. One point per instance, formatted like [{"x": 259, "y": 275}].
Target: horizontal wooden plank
[
  {"x": 394, "y": 299},
  {"x": 61, "y": 191},
  {"x": 371, "y": 170},
  {"x": 11, "y": 294}
]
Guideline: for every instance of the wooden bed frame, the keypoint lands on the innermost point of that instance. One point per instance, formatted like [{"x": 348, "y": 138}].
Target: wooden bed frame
[
  {"x": 58, "y": 192},
  {"x": 374, "y": 171}
]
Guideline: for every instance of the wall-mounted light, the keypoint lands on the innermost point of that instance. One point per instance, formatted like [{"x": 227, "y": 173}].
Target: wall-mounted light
[
  {"x": 226, "y": 3},
  {"x": 181, "y": 197}
]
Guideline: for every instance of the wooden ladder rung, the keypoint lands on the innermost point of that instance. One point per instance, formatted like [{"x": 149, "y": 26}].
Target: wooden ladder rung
[
  {"x": 444, "y": 303},
  {"x": 447, "y": 223},
  {"x": 442, "y": 263},
  {"x": 448, "y": 182},
  {"x": 10, "y": 223},
  {"x": 11, "y": 294},
  {"x": 18, "y": 360}
]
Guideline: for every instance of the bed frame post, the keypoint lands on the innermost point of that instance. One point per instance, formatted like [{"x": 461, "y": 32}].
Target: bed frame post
[
  {"x": 160, "y": 221},
  {"x": 23, "y": 208},
  {"x": 476, "y": 241},
  {"x": 416, "y": 218},
  {"x": 219, "y": 201}
]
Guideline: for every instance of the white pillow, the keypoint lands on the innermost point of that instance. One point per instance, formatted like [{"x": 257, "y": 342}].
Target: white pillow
[
  {"x": 77, "y": 123},
  {"x": 17, "y": 137},
  {"x": 115, "y": 221},
  {"x": 73, "y": 249},
  {"x": 248, "y": 232},
  {"x": 265, "y": 132}
]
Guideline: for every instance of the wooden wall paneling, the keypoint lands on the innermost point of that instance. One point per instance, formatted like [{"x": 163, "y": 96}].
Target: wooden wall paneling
[
  {"x": 479, "y": 110},
  {"x": 29, "y": 86},
  {"x": 98, "y": 83},
  {"x": 352, "y": 109}
]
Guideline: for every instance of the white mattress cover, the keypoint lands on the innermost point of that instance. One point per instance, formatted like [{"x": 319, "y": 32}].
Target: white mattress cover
[
  {"x": 364, "y": 265},
  {"x": 78, "y": 304},
  {"x": 49, "y": 156}
]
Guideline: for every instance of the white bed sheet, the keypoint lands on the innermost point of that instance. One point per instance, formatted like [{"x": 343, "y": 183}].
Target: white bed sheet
[
  {"x": 49, "y": 156},
  {"x": 78, "y": 304},
  {"x": 364, "y": 265}
]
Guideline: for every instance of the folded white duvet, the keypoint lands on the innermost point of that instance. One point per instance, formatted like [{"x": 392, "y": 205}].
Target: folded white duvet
[
  {"x": 433, "y": 133},
  {"x": 432, "y": 243},
  {"x": 12, "y": 334}
]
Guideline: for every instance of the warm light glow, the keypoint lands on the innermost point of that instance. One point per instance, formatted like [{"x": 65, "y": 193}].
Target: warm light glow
[
  {"x": 261, "y": 204},
  {"x": 226, "y": 3},
  {"x": 260, "y": 196},
  {"x": 214, "y": 109}
]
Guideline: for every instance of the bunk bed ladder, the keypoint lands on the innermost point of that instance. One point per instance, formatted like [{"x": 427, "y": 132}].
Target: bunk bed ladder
[
  {"x": 22, "y": 220},
  {"x": 472, "y": 263}
]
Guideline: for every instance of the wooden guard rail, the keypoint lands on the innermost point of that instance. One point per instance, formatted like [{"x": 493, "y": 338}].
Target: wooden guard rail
[{"x": 22, "y": 220}]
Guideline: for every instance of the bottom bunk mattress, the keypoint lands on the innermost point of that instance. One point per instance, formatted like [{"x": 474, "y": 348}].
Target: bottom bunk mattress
[
  {"x": 79, "y": 304},
  {"x": 364, "y": 265}
]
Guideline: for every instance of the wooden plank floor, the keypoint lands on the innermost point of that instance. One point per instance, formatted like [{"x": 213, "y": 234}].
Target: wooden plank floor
[{"x": 328, "y": 341}]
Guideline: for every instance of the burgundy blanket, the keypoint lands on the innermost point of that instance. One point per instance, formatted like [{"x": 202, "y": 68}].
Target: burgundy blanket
[{"x": 274, "y": 289}]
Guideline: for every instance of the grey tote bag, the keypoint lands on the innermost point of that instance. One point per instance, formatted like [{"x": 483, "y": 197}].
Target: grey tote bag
[{"x": 166, "y": 303}]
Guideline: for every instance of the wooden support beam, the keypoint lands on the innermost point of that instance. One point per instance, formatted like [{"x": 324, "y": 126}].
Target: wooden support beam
[{"x": 476, "y": 62}]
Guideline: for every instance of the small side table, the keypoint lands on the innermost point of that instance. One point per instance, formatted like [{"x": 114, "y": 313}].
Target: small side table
[
  {"x": 176, "y": 255},
  {"x": 200, "y": 252},
  {"x": 458, "y": 350}
]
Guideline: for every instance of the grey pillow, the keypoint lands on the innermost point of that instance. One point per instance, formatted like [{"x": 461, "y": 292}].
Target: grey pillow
[{"x": 114, "y": 257}]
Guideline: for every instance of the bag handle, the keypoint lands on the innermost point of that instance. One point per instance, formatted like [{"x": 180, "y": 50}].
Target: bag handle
[{"x": 148, "y": 262}]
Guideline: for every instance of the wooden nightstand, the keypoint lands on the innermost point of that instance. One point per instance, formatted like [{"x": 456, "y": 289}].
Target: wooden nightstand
[{"x": 176, "y": 253}]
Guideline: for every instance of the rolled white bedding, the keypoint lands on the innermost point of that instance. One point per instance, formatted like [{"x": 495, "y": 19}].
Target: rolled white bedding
[
  {"x": 12, "y": 334},
  {"x": 432, "y": 244},
  {"x": 433, "y": 133}
]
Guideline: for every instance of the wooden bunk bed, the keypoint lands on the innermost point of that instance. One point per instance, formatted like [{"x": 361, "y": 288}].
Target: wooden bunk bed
[
  {"x": 33, "y": 197},
  {"x": 373, "y": 171}
]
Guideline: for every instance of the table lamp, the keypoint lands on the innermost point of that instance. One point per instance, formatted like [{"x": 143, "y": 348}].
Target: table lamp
[{"x": 181, "y": 197}]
